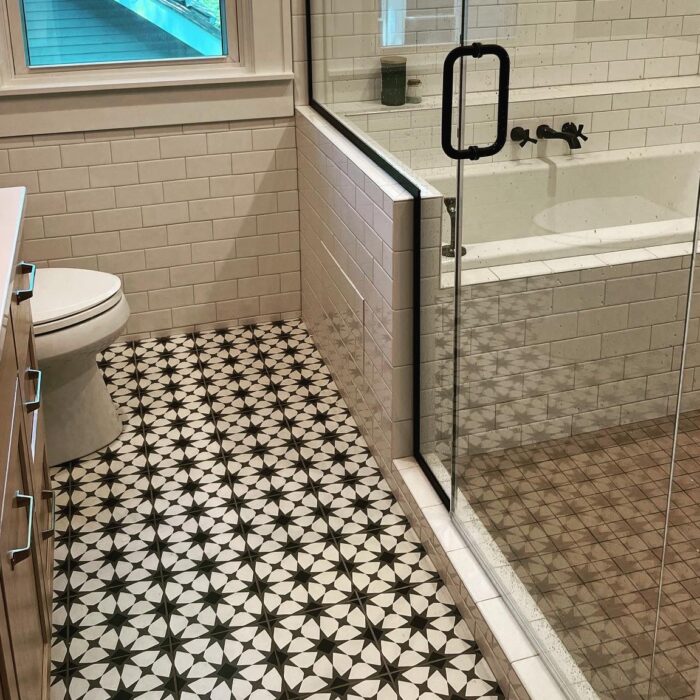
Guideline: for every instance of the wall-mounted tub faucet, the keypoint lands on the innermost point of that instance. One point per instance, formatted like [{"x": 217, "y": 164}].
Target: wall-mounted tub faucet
[
  {"x": 449, "y": 250},
  {"x": 522, "y": 136},
  {"x": 570, "y": 133},
  {"x": 577, "y": 131}
]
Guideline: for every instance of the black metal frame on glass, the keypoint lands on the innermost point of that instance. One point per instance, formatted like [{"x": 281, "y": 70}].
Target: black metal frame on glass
[{"x": 415, "y": 192}]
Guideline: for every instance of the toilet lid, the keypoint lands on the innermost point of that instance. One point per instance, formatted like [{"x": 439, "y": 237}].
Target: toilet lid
[{"x": 66, "y": 296}]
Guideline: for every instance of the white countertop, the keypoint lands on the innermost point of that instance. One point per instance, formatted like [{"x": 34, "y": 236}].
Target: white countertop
[{"x": 12, "y": 201}]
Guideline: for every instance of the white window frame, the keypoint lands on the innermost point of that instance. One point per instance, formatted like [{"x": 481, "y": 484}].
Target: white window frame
[{"x": 54, "y": 99}]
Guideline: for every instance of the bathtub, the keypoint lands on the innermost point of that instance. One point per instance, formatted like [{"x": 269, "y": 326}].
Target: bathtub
[{"x": 566, "y": 206}]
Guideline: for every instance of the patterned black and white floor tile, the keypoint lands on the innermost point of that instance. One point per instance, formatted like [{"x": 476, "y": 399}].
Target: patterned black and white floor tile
[{"x": 238, "y": 541}]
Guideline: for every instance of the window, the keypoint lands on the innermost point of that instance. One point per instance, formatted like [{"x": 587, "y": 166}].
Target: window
[
  {"x": 393, "y": 22},
  {"x": 80, "y": 65},
  {"x": 420, "y": 23},
  {"x": 68, "y": 32}
]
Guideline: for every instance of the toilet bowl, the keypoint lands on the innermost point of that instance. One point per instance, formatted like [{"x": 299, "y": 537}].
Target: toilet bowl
[{"x": 76, "y": 314}]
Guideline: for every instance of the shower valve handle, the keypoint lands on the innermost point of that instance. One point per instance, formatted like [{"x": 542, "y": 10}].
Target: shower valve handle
[
  {"x": 571, "y": 128},
  {"x": 522, "y": 136}
]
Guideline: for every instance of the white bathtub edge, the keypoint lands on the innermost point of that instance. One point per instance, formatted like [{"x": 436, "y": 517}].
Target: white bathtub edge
[{"x": 500, "y": 273}]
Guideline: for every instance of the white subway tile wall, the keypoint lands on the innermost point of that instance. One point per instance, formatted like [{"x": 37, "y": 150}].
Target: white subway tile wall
[
  {"x": 551, "y": 42},
  {"x": 200, "y": 221},
  {"x": 643, "y": 117},
  {"x": 300, "y": 63},
  {"x": 627, "y": 70}
]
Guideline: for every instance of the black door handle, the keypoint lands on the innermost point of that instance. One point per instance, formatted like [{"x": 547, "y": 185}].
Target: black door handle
[{"x": 475, "y": 51}]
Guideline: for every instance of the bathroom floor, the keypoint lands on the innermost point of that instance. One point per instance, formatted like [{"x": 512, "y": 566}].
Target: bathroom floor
[
  {"x": 238, "y": 541},
  {"x": 581, "y": 521}
]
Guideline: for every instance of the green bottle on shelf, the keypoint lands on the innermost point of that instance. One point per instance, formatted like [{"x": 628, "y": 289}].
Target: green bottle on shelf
[{"x": 393, "y": 80}]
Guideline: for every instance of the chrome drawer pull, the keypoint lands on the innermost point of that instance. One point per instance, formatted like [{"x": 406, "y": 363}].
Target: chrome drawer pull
[
  {"x": 34, "y": 405},
  {"x": 28, "y": 293},
  {"x": 51, "y": 493},
  {"x": 30, "y": 521}
]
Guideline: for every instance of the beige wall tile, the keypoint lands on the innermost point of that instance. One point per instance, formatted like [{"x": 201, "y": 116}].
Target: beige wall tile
[
  {"x": 40, "y": 158},
  {"x": 186, "y": 145},
  {"x": 112, "y": 175},
  {"x": 64, "y": 179},
  {"x": 95, "y": 243},
  {"x": 147, "y": 279},
  {"x": 192, "y": 274},
  {"x": 138, "y": 195},
  {"x": 168, "y": 256},
  {"x": 90, "y": 200},
  {"x": 162, "y": 170},
  {"x": 194, "y": 315},
  {"x": 151, "y": 237},
  {"x": 68, "y": 224},
  {"x": 122, "y": 262},
  {"x": 134, "y": 150},
  {"x": 171, "y": 298},
  {"x": 190, "y": 232},
  {"x": 85, "y": 154}
]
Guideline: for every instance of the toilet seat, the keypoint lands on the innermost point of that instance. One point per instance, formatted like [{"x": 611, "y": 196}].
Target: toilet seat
[
  {"x": 65, "y": 297},
  {"x": 77, "y": 315}
]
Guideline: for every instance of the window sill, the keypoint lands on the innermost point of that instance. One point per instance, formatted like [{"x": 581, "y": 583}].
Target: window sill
[
  {"x": 197, "y": 95},
  {"x": 73, "y": 81}
]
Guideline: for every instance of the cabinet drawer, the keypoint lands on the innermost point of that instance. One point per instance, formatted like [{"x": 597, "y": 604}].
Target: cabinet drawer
[
  {"x": 38, "y": 476},
  {"x": 21, "y": 312},
  {"x": 27, "y": 365},
  {"x": 22, "y": 574},
  {"x": 30, "y": 382}
]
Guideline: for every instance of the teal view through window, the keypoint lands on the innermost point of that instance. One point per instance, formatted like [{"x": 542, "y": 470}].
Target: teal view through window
[{"x": 64, "y": 32}]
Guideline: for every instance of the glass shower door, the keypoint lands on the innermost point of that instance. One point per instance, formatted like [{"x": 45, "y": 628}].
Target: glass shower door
[
  {"x": 441, "y": 250},
  {"x": 570, "y": 274},
  {"x": 439, "y": 228},
  {"x": 676, "y": 645}
]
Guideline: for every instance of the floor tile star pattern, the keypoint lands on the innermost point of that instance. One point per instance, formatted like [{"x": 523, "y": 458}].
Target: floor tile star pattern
[{"x": 238, "y": 541}]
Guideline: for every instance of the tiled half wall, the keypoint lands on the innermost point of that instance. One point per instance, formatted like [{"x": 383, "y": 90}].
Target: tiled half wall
[
  {"x": 356, "y": 239},
  {"x": 200, "y": 221}
]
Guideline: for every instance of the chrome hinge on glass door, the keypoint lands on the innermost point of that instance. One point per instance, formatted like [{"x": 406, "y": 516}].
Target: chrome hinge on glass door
[{"x": 475, "y": 50}]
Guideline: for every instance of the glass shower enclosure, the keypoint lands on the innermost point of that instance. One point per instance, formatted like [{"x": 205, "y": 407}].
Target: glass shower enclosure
[{"x": 559, "y": 335}]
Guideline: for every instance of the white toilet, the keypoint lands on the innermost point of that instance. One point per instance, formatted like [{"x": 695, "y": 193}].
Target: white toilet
[{"x": 77, "y": 314}]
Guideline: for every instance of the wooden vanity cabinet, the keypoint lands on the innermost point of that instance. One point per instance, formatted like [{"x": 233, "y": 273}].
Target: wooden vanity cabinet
[{"x": 26, "y": 513}]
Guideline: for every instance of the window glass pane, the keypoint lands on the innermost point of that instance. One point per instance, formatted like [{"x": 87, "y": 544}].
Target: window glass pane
[
  {"x": 61, "y": 32},
  {"x": 393, "y": 22},
  {"x": 421, "y": 23}
]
